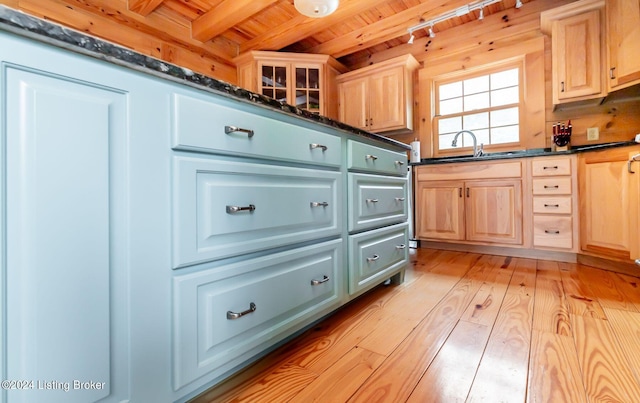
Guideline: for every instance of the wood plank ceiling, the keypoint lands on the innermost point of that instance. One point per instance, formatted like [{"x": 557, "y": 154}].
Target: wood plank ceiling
[{"x": 225, "y": 28}]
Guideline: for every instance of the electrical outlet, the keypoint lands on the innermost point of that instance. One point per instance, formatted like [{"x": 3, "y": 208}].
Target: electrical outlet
[{"x": 593, "y": 134}]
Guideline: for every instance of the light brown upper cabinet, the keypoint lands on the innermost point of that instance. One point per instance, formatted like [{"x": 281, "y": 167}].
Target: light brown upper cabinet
[
  {"x": 578, "y": 50},
  {"x": 379, "y": 98},
  {"x": 302, "y": 80},
  {"x": 624, "y": 42}
]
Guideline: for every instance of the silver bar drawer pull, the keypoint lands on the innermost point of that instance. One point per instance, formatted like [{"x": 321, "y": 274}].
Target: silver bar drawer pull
[
  {"x": 318, "y": 282},
  {"x": 399, "y": 163},
  {"x": 319, "y": 204},
  {"x": 316, "y": 145},
  {"x": 372, "y": 200},
  {"x": 373, "y": 259},
  {"x": 400, "y": 199},
  {"x": 370, "y": 157},
  {"x": 551, "y": 232},
  {"x": 401, "y": 246},
  {"x": 234, "y": 209},
  {"x": 235, "y": 129},
  {"x": 235, "y": 315}
]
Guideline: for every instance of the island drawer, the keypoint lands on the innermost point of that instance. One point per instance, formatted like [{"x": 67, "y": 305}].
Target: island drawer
[
  {"x": 375, "y": 201},
  {"x": 225, "y": 315},
  {"x": 376, "y": 255},
  {"x": 205, "y": 126},
  {"x": 226, "y": 208},
  {"x": 368, "y": 158}
]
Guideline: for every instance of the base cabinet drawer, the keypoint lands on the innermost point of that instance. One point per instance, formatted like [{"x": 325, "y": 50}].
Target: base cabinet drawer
[
  {"x": 552, "y": 205},
  {"x": 376, "y": 201},
  {"x": 376, "y": 255},
  {"x": 552, "y": 186},
  {"x": 224, "y": 316},
  {"x": 553, "y": 232},
  {"x": 228, "y": 208},
  {"x": 365, "y": 157},
  {"x": 220, "y": 128}
]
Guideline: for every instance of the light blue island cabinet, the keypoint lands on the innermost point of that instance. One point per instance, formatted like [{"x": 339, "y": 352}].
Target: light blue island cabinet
[{"x": 157, "y": 237}]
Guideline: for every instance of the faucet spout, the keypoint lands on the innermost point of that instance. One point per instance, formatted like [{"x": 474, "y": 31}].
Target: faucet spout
[{"x": 477, "y": 152}]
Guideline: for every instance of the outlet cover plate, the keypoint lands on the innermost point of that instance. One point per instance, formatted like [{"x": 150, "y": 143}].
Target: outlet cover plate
[{"x": 593, "y": 134}]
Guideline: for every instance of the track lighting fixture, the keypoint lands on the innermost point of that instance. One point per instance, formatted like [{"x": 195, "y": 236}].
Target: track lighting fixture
[
  {"x": 518, "y": 3},
  {"x": 411, "y": 38},
  {"x": 460, "y": 11}
]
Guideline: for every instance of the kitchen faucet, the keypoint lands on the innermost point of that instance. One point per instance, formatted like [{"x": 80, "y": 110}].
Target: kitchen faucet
[{"x": 477, "y": 152}]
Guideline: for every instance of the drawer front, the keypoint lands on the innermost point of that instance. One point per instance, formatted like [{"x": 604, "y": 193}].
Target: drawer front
[
  {"x": 375, "y": 201},
  {"x": 365, "y": 157},
  {"x": 275, "y": 206},
  {"x": 553, "y": 232},
  {"x": 550, "y": 166},
  {"x": 376, "y": 255},
  {"x": 552, "y": 186},
  {"x": 215, "y": 327},
  {"x": 200, "y": 125},
  {"x": 552, "y": 205}
]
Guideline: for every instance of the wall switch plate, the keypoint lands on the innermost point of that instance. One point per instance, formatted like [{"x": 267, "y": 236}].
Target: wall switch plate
[{"x": 593, "y": 134}]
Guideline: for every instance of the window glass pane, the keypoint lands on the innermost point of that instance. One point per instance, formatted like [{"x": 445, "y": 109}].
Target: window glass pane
[
  {"x": 448, "y": 91},
  {"x": 450, "y": 125},
  {"x": 444, "y": 141},
  {"x": 451, "y": 106},
  {"x": 505, "y": 134},
  {"x": 482, "y": 136},
  {"x": 476, "y": 121},
  {"x": 478, "y": 101},
  {"x": 504, "y": 117},
  {"x": 505, "y": 96},
  {"x": 507, "y": 78},
  {"x": 476, "y": 85}
]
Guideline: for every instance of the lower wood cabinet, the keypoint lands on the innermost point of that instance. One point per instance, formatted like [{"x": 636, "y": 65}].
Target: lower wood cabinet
[
  {"x": 608, "y": 199},
  {"x": 482, "y": 210}
]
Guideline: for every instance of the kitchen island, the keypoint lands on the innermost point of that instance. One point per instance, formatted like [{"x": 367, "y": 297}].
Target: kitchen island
[{"x": 163, "y": 229}]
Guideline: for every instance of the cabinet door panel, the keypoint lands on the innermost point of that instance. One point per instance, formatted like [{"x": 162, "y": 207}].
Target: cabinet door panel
[
  {"x": 62, "y": 138},
  {"x": 387, "y": 111},
  {"x": 604, "y": 213},
  {"x": 353, "y": 103},
  {"x": 440, "y": 212},
  {"x": 493, "y": 211},
  {"x": 577, "y": 60},
  {"x": 624, "y": 37},
  {"x": 283, "y": 211}
]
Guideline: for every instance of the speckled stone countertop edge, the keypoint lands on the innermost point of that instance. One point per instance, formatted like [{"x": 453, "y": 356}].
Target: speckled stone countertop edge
[
  {"x": 537, "y": 152},
  {"x": 26, "y": 25}
]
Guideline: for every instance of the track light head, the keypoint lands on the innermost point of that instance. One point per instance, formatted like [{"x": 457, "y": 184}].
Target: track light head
[
  {"x": 431, "y": 33},
  {"x": 410, "y": 41},
  {"x": 518, "y": 3}
]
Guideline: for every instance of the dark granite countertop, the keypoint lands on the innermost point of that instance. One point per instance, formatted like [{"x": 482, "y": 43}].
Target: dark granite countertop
[
  {"x": 536, "y": 152},
  {"x": 26, "y": 25}
]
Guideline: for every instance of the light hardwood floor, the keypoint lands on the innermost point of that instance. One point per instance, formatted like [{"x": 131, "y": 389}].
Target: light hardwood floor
[{"x": 464, "y": 327}]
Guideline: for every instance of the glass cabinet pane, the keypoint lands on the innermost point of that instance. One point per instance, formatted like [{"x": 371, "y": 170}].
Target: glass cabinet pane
[{"x": 274, "y": 82}]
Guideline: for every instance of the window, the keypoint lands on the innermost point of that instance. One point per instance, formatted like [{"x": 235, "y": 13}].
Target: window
[{"x": 488, "y": 104}]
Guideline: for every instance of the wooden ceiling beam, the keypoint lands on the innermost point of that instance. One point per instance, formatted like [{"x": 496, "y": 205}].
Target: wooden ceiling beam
[
  {"x": 226, "y": 15},
  {"x": 385, "y": 29},
  {"x": 143, "y": 7},
  {"x": 301, "y": 26}
]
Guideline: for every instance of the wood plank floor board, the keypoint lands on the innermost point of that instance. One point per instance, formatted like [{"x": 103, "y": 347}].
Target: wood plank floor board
[
  {"x": 606, "y": 373},
  {"x": 554, "y": 370},
  {"x": 463, "y": 327},
  {"x": 551, "y": 311},
  {"x": 502, "y": 373}
]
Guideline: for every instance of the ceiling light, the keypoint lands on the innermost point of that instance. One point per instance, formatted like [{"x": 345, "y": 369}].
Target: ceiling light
[
  {"x": 316, "y": 8},
  {"x": 431, "y": 34},
  {"x": 481, "y": 17},
  {"x": 411, "y": 39},
  {"x": 518, "y": 3}
]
